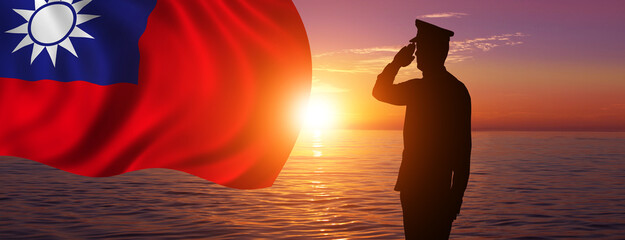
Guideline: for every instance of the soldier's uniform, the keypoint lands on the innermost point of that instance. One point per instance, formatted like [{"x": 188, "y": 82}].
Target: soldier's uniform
[{"x": 437, "y": 143}]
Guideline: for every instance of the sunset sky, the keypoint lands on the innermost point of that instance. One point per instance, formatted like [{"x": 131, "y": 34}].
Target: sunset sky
[{"x": 529, "y": 65}]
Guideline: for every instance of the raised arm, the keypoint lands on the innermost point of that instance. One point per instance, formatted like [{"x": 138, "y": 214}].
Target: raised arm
[{"x": 384, "y": 89}]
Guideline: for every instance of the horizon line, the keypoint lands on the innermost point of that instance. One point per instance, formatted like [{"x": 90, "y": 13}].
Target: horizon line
[{"x": 478, "y": 129}]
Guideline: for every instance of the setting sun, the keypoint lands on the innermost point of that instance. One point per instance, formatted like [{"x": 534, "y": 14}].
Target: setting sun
[{"x": 319, "y": 113}]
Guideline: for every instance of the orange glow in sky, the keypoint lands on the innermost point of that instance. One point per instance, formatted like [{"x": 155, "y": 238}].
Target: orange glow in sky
[{"x": 528, "y": 65}]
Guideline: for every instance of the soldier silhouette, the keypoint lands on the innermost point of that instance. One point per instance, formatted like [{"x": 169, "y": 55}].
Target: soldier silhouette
[{"x": 437, "y": 134}]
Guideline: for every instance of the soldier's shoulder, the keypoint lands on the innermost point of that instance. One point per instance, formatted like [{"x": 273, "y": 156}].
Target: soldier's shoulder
[
  {"x": 458, "y": 84},
  {"x": 452, "y": 77},
  {"x": 455, "y": 80}
]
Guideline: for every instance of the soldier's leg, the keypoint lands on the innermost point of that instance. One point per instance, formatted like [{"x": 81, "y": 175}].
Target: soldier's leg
[
  {"x": 424, "y": 217},
  {"x": 411, "y": 215},
  {"x": 442, "y": 228}
]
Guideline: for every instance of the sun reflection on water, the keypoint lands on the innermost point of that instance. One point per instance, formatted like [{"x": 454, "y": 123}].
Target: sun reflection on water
[
  {"x": 328, "y": 170},
  {"x": 317, "y": 143}
]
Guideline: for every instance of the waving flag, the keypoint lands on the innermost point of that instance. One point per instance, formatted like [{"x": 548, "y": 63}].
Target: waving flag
[{"x": 103, "y": 87}]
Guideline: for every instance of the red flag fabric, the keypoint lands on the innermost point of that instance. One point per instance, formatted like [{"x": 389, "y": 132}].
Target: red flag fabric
[{"x": 219, "y": 88}]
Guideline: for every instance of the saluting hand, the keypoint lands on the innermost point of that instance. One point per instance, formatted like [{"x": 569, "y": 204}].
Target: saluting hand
[{"x": 405, "y": 56}]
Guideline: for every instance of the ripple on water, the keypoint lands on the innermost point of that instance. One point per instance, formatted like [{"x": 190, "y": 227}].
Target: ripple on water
[{"x": 523, "y": 186}]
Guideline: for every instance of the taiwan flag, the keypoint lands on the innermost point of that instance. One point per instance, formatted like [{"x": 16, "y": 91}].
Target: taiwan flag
[{"x": 103, "y": 87}]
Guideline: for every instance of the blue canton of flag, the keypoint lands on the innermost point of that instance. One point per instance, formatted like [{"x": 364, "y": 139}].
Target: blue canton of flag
[{"x": 67, "y": 40}]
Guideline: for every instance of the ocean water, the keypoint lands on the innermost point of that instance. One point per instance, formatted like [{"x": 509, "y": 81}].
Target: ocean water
[{"x": 336, "y": 185}]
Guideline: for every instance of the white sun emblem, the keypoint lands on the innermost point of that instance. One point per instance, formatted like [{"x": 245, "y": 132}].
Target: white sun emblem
[{"x": 51, "y": 25}]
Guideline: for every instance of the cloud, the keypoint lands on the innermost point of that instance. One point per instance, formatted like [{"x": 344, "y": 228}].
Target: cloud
[
  {"x": 389, "y": 49},
  {"x": 460, "y": 50},
  {"x": 362, "y": 60},
  {"x": 320, "y": 87},
  {"x": 372, "y": 60},
  {"x": 444, "y": 15}
]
